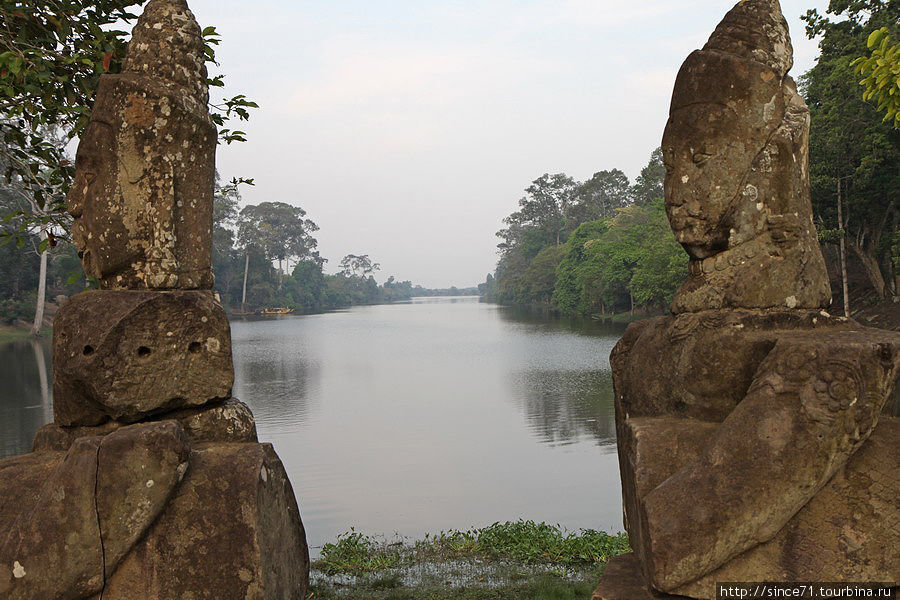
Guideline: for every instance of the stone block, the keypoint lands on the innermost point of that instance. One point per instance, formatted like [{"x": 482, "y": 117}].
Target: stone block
[
  {"x": 231, "y": 532},
  {"x": 229, "y": 421},
  {"x": 700, "y": 365},
  {"x": 814, "y": 401},
  {"x": 622, "y": 580},
  {"x": 840, "y": 535},
  {"x": 145, "y": 167},
  {"x": 72, "y": 528},
  {"x": 128, "y": 355}
]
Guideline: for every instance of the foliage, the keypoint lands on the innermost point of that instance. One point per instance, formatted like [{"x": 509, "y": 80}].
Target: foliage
[
  {"x": 522, "y": 543},
  {"x": 358, "y": 266},
  {"x": 541, "y": 217},
  {"x": 572, "y": 294},
  {"x": 530, "y": 542},
  {"x": 357, "y": 553},
  {"x": 278, "y": 229},
  {"x": 599, "y": 197},
  {"x": 649, "y": 184},
  {"x": 618, "y": 252},
  {"x": 882, "y": 74},
  {"x": 849, "y": 142}
]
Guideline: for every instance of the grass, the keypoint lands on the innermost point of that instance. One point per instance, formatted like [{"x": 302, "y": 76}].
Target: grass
[
  {"x": 12, "y": 334},
  {"x": 520, "y": 560}
]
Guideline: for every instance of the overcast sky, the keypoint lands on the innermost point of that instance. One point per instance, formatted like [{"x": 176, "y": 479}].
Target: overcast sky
[{"x": 409, "y": 129}]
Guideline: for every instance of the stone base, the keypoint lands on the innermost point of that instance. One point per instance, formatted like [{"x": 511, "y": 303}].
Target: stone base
[
  {"x": 840, "y": 535},
  {"x": 622, "y": 580},
  {"x": 232, "y": 532},
  {"x": 146, "y": 511}
]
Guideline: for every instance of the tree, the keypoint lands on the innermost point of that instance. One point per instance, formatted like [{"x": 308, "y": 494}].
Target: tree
[
  {"x": 541, "y": 212},
  {"x": 618, "y": 263},
  {"x": 28, "y": 206},
  {"x": 599, "y": 197},
  {"x": 849, "y": 142},
  {"x": 358, "y": 266},
  {"x": 649, "y": 184},
  {"x": 225, "y": 216},
  {"x": 279, "y": 230},
  {"x": 570, "y": 294}
]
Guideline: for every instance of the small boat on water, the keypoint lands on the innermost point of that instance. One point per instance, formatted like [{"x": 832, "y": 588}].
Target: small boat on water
[{"x": 277, "y": 311}]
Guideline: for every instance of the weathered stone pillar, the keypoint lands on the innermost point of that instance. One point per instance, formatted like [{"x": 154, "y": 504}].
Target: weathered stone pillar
[{"x": 150, "y": 483}]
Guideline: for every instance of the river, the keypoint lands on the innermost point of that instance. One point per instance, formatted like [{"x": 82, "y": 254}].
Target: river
[{"x": 411, "y": 418}]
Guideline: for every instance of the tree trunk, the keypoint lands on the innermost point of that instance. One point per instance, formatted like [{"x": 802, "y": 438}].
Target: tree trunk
[
  {"x": 843, "y": 251},
  {"x": 871, "y": 266},
  {"x": 280, "y": 274},
  {"x": 246, "y": 268},
  {"x": 42, "y": 290},
  {"x": 41, "y": 363}
]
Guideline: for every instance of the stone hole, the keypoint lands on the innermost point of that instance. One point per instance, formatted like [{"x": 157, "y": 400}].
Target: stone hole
[
  {"x": 88, "y": 350},
  {"x": 194, "y": 347},
  {"x": 144, "y": 351}
]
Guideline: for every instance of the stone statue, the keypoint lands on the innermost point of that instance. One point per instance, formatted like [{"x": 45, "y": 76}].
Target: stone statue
[
  {"x": 754, "y": 429},
  {"x": 737, "y": 189},
  {"x": 151, "y": 482},
  {"x": 145, "y": 167}
]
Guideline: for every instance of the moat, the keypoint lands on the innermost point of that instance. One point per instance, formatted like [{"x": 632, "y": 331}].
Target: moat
[{"x": 412, "y": 418}]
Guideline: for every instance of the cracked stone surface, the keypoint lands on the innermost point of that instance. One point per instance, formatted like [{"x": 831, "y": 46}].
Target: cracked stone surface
[
  {"x": 145, "y": 166},
  {"x": 128, "y": 355},
  {"x": 88, "y": 511},
  {"x": 231, "y": 532},
  {"x": 841, "y": 535},
  {"x": 229, "y": 421}
]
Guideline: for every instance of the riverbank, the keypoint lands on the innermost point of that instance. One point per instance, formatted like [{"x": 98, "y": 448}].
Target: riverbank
[
  {"x": 10, "y": 333},
  {"x": 505, "y": 561}
]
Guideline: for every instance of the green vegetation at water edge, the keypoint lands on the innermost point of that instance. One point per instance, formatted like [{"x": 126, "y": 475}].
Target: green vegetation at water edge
[{"x": 520, "y": 559}]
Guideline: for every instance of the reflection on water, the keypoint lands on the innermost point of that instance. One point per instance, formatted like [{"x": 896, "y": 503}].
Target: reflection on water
[
  {"x": 442, "y": 413},
  {"x": 25, "y": 398},
  {"x": 411, "y": 418},
  {"x": 567, "y": 407}
]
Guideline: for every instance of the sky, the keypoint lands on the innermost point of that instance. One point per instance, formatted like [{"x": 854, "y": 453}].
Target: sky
[{"x": 408, "y": 130}]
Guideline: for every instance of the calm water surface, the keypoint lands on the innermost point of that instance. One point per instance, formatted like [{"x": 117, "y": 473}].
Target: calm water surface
[{"x": 412, "y": 418}]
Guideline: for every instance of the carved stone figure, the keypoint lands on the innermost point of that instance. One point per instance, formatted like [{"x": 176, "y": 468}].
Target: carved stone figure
[
  {"x": 755, "y": 434},
  {"x": 145, "y": 167},
  {"x": 737, "y": 186},
  {"x": 151, "y": 483}
]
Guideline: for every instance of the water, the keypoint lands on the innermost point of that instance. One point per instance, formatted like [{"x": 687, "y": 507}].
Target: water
[{"x": 414, "y": 418}]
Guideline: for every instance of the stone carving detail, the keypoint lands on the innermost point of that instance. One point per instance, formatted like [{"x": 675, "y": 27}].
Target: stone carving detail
[
  {"x": 754, "y": 436},
  {"x": 151, "y": 482}
]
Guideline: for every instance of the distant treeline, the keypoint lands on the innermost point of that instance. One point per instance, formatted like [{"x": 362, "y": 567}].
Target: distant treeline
[
  {"x": 265, "y": 256},
  {"x": 602, "y": 245}
]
